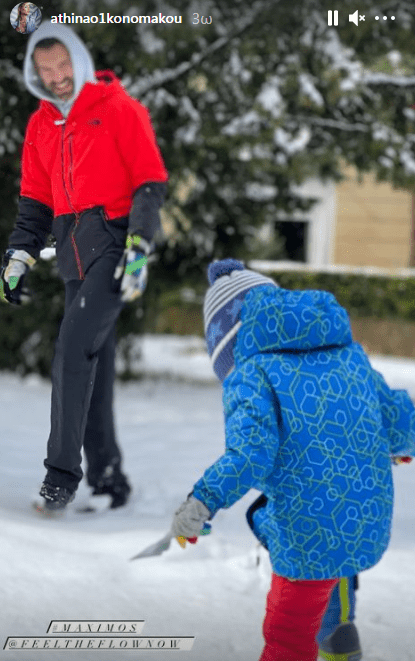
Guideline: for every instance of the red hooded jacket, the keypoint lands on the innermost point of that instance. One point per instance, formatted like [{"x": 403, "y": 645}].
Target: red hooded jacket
[{"x": 100, "y": 155}]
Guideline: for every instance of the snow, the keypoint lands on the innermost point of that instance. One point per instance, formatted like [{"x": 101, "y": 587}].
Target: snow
[
  {"x": 290, "y": 144},
  {"x": 334, "y": 124},
  {"x": 260, "y": 192},
  {"x": 394, "y": 57},
  {"x": 170, "y": 428},
  {"x": 341, "y": 59},
  {"x": 244, "y": 125},
  {"x": 237, "y": 69},
  {"x": 381, "y": 132},
  {"x": 309, "y": 89},
  {"x": 374, "y": 78},
  {"x": 149, "y": 42},
  {"x": 408, "y": 160},
  {"x": 189, "y": 132},
  {"x": 385, "y": 161},
  {"x": 270, "y": 97},
  {"x": 409, "y": 113}
]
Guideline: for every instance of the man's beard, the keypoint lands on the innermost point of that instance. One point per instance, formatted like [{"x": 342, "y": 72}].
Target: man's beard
[{"x": 66, "y": 84}]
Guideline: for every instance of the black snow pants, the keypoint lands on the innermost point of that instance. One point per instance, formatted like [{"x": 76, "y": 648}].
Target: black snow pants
[{"x": 83, "y": 374}]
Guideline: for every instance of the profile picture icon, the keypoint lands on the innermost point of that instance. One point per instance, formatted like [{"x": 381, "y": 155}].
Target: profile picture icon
[{"x": 25, "y": 17}]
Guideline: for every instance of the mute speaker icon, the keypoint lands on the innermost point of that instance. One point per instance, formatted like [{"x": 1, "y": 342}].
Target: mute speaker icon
[{"x": 354, "y": 18}]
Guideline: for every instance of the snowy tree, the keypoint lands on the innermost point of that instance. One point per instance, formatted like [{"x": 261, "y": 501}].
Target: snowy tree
[
  {"x": 264, "y": 97},
  {"x": 247, "y": 99}
]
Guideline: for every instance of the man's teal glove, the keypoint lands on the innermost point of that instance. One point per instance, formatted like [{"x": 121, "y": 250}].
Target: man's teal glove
[
  {"x": 132, "y": 268},
  {"x": 16, "y": 264}
]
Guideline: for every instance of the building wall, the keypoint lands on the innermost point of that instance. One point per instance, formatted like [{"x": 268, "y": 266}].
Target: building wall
[{"x": 373, "y": 223}]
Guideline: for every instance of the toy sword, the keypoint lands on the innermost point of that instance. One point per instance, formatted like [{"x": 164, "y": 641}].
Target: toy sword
[{"x": 164, "y": 543}]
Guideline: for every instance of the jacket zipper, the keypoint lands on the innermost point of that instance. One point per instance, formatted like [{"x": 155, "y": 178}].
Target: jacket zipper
[
  {"x": 70, "y": 163},
  {"x": 77, "y": 216}
]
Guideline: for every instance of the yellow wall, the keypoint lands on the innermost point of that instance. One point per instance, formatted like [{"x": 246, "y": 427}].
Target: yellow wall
[{"x": 373, "y": 223}]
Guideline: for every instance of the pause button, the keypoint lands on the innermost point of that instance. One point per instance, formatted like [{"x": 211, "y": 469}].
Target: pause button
[{"x": 332, "y": 17}]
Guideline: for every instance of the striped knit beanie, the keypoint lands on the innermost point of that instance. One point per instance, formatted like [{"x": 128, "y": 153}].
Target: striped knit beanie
[{"x": 230, "y": 282}]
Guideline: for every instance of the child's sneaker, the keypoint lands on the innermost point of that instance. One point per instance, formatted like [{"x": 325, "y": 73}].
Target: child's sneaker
[
  {"x": 53, "y": 499},
  {"x": 342, "y": 645}
]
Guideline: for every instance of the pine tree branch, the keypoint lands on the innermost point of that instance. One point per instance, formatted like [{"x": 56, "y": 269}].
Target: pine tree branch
[
  {"x": 385, "y": 79},
  {"x": 330, "y": 123},
  {"x": 160, "y": 78}
]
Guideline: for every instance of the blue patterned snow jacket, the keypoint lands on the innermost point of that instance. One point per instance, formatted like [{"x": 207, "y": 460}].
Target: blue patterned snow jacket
[{"x": 311, "y": 425}]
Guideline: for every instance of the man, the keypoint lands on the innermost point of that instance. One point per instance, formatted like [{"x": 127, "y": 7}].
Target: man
[{"x": 92, "y": 175}]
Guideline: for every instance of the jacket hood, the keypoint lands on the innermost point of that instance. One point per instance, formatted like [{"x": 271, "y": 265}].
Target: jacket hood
[
  {"x": 278, "y": 320},
  {"x": 82, "y": 63}
]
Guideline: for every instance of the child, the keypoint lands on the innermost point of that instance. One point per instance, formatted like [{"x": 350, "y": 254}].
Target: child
[
  {"x": 338, "y": 638},
  {"x": 312, "y": 426}
]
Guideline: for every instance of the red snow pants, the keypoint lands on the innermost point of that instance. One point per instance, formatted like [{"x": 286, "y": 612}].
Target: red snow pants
[{"x": 294, "y": 612}]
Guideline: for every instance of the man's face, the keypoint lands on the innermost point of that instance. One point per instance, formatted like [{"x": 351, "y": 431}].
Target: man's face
[{"x": 54, "y": 67}]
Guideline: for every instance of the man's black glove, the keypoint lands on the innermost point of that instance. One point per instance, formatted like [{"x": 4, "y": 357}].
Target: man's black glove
[{"x": 16, "y": 264}]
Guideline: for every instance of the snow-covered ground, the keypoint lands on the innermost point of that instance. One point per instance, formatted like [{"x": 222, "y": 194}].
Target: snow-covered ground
[{"x": 77, "y": 568}]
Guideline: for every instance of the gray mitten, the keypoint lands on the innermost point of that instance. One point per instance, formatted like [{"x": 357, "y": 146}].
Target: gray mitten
[
  {"x": 16, "y": 264},
  {"x": 190, "y": 518}
]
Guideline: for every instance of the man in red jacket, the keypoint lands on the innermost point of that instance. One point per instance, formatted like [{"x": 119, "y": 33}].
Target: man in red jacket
[{"x": 93, "y": 176}]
